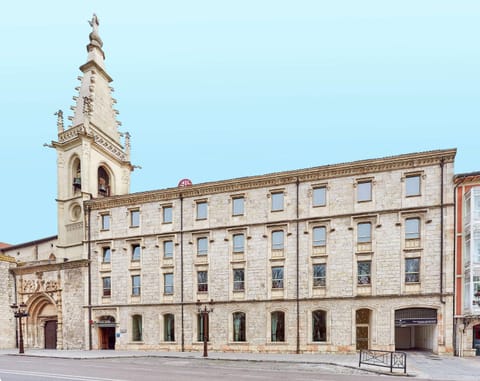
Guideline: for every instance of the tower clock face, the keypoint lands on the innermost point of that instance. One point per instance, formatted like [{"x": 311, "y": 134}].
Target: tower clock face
[{"x": 75, "y": 212}]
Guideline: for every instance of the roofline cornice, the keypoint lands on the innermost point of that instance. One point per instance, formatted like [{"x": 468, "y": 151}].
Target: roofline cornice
[{"x": 356, "y": 168}]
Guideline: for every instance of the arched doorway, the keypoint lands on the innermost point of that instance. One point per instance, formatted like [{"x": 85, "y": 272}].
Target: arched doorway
[
  {"x": 42, "y": 321},
  {"x": 362, "y": 328},
  {"x": 416, "y": 328},
  {"x": 106, "y": 332}
]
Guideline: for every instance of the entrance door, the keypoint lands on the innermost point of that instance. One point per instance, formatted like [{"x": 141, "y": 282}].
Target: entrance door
[
  {"x": 107, "y": 337},
  {"x": 362, "y": 321},
  {"x": 50, "y": 334},
  {"x": 476, "y": 339}
]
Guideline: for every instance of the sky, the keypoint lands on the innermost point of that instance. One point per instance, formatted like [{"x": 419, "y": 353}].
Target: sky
[{"x": 219, "y": 89}]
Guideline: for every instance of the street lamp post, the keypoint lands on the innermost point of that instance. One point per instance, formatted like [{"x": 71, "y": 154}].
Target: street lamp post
[
  {"x": 20, "y": 311},
  {"x": 204, "y": 314}
]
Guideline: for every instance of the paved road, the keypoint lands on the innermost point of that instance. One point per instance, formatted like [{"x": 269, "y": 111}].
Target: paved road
[{"x": 14, "y": 368}]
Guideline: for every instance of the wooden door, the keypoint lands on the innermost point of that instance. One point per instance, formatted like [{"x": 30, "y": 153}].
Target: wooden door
[{"x": 50, "y": 334}]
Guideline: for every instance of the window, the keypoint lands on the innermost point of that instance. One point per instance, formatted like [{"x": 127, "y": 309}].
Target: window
[
  {"x": 168, "y": 283},
  {"x": 277, "y": 240},
  {"x": 136, "y": 252},
  {"x": 107, "y": 286},
  {"x": 277, "y": 201},
  {"x": 278, "y": 326},
  {"x": 167, "y": 249},
  {"x": 364, "y": 191},
  {"x": 238, "y": 206},
  {"x": 412, "y": 270},
  {"x": 134, "y": 218},
  {"x": 202, "y": 246},
  {"x": 136, "y": 285},
  {"x": 238, "y": 279},
  {"x": 412, "y": 185},
  {"x": 238, "y": 326},
  {"x": 202, "y": 210},
  {"x": 136, "y": 328},
  {"x": 202, "y": 281},
  {"x": 238, "y": 243},
  {"x": 476, "y": 246},
  {"x": 167, "y": 214},
  {"x": 319, "y": 236},
  {"x": 412, "y": 228},
  {"x": 319, "y": 325},
  {"x": 202, "y": 327},
  {"x": 168, "y": 327},
  {"x": 319, "y": 275},
  {"x": 364, "y": 232},
  {"x": 277, "y": 277},
  {"x": 364, "y": 272},
  {"x": 105, "y": 221},
  {"x": 320, "y": 196},
  {"x": 106, "y": 255}
]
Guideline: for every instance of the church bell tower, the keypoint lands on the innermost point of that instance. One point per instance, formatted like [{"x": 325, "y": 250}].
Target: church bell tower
[{"x": 92, "y": 162}]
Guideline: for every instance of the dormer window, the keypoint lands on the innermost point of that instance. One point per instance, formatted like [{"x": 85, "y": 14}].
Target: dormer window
[{"x": 103, "y": 182}]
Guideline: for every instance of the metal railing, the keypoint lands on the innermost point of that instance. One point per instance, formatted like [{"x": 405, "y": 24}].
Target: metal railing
[{"x": 385, "y": 359}]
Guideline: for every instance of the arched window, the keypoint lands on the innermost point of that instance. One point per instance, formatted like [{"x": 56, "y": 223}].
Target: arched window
[
  {"x": 103, "y": 182},
  {"x": 319, "y": 325},
  {"x": 137, "y": 328},
  {"x": 77, "y": 175},
  {"x": 277, "y": 326},
  {"x": 168, "y": 327},
  {"x": 238, "y": 326}
]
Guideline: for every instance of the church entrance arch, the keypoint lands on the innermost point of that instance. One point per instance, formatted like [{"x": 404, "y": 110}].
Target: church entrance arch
[
  {"x": 106, "y": 332},
  {"x": 42, "y": 321}
]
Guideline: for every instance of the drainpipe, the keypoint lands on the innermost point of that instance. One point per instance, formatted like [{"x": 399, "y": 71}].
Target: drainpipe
[
  {"x": 442, "y": 163},
  {"x": 89, "y": 237},
  {"x": 455, "y": 349},
  {"x": 298, "y": 271},
  {"x": 181, "y": 273}
]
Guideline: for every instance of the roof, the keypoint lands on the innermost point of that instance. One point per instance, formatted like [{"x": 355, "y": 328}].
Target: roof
[{"x": 26, "y": 244}]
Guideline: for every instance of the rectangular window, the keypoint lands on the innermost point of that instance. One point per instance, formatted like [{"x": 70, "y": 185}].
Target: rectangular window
[
  {"x": 277, "y": 201},
  {"x": 320, "y": 196},
  {"x": 105, "y": 221},
  {"x": 202, "y": 210},
  {"x": 476, "y": 246},
  {"x": 412, "y": 228},
  {"x": 319, "y": 236},
  {"x": 238, "y": 243},
  {"x": 137, "y": 329},
  {"x": 319, "y": 275},
  {"x": 277, "y": 240},
  {"x": 412, "y": 270},
  {"x": 168, "y": 283},
  {"x": 136, "y": 289},
  {"x": 238, "y": 206},
  {"x": 202, "y": 327},
  {"x": 106, "y": 255},
  {"x": 134, "y": 218},
  {"x": 202, "y": 281},
  {"x": 136, "y": 252},
  {"x": 238, "y": 279},
  {"x": 202, "y": 246},
  {"x": 364, "y": 191},
  {"x": 239, "y": 326},
  {"x": 364, "y": 272},
  {"x": 167, "y": 214},
  {"x": 107, "y": 286},
  {"x": 168, "y": 327},
  {"x": 167, "y": 249},
  {"x": 412, "y": 186},
  {"x": 364, "y": 232},
  {"x": 277, "y": 277}
]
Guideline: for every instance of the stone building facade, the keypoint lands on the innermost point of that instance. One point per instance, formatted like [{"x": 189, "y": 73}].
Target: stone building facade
[{"x": 327, "y": 259}]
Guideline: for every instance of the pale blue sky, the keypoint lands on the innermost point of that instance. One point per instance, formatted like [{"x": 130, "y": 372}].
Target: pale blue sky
[{"x": 211, "y": 90}]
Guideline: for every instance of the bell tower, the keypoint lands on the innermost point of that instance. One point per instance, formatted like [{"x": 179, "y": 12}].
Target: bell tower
[{"x": 92, "y": 162}]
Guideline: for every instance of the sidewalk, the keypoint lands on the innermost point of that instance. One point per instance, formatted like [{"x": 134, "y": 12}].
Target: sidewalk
[{"x": 419, "y": 364}]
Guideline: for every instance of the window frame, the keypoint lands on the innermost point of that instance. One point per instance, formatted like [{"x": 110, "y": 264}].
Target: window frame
[
  {"x": 360, "y": 275},
  {"x": 134, "y": 218},
  {"x": 136, "y": 252},
  {"x": 277, "y": 281},
  {"x": 168, "y": 286},
  {"x": 137, "y": 329},
  {"x": 364, "y": 238},
  {"x": 136, "y": 285},
  {"x": 236, "y": 248},
  {"x": 167, "y": 254},
  {"x": 201, "y": 242},
  {"x": 408, "y": 186},
  {"x": 167, "y": 214},
  {"x": 323, "y": 201},
  {"x": 238, "y": 285},
  {"x": 239, "y": 334},
  {"x": 107, "y": 289},
  {"x": 105, "y": 250},
  {"x": 320, "y": 278},
  {"x": 105, "y": 221},
  {"x": 319, "y": 335},
  {"x": 412, "y": 276},
  {"x": 319, "y": 242},
  {"x": 201, "y": 210},
  {"x": 279, "y": 335},
  {"x": 277, "y": 205},
  {"x": 360, "y": 191},
  {"x": 412, "y": 234},
  {"x": 235, "y": 207},
  {"x": 278, "y": 245},
  {"x": 168, "y": 321},
  {"x": 202, "y": 284}
]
